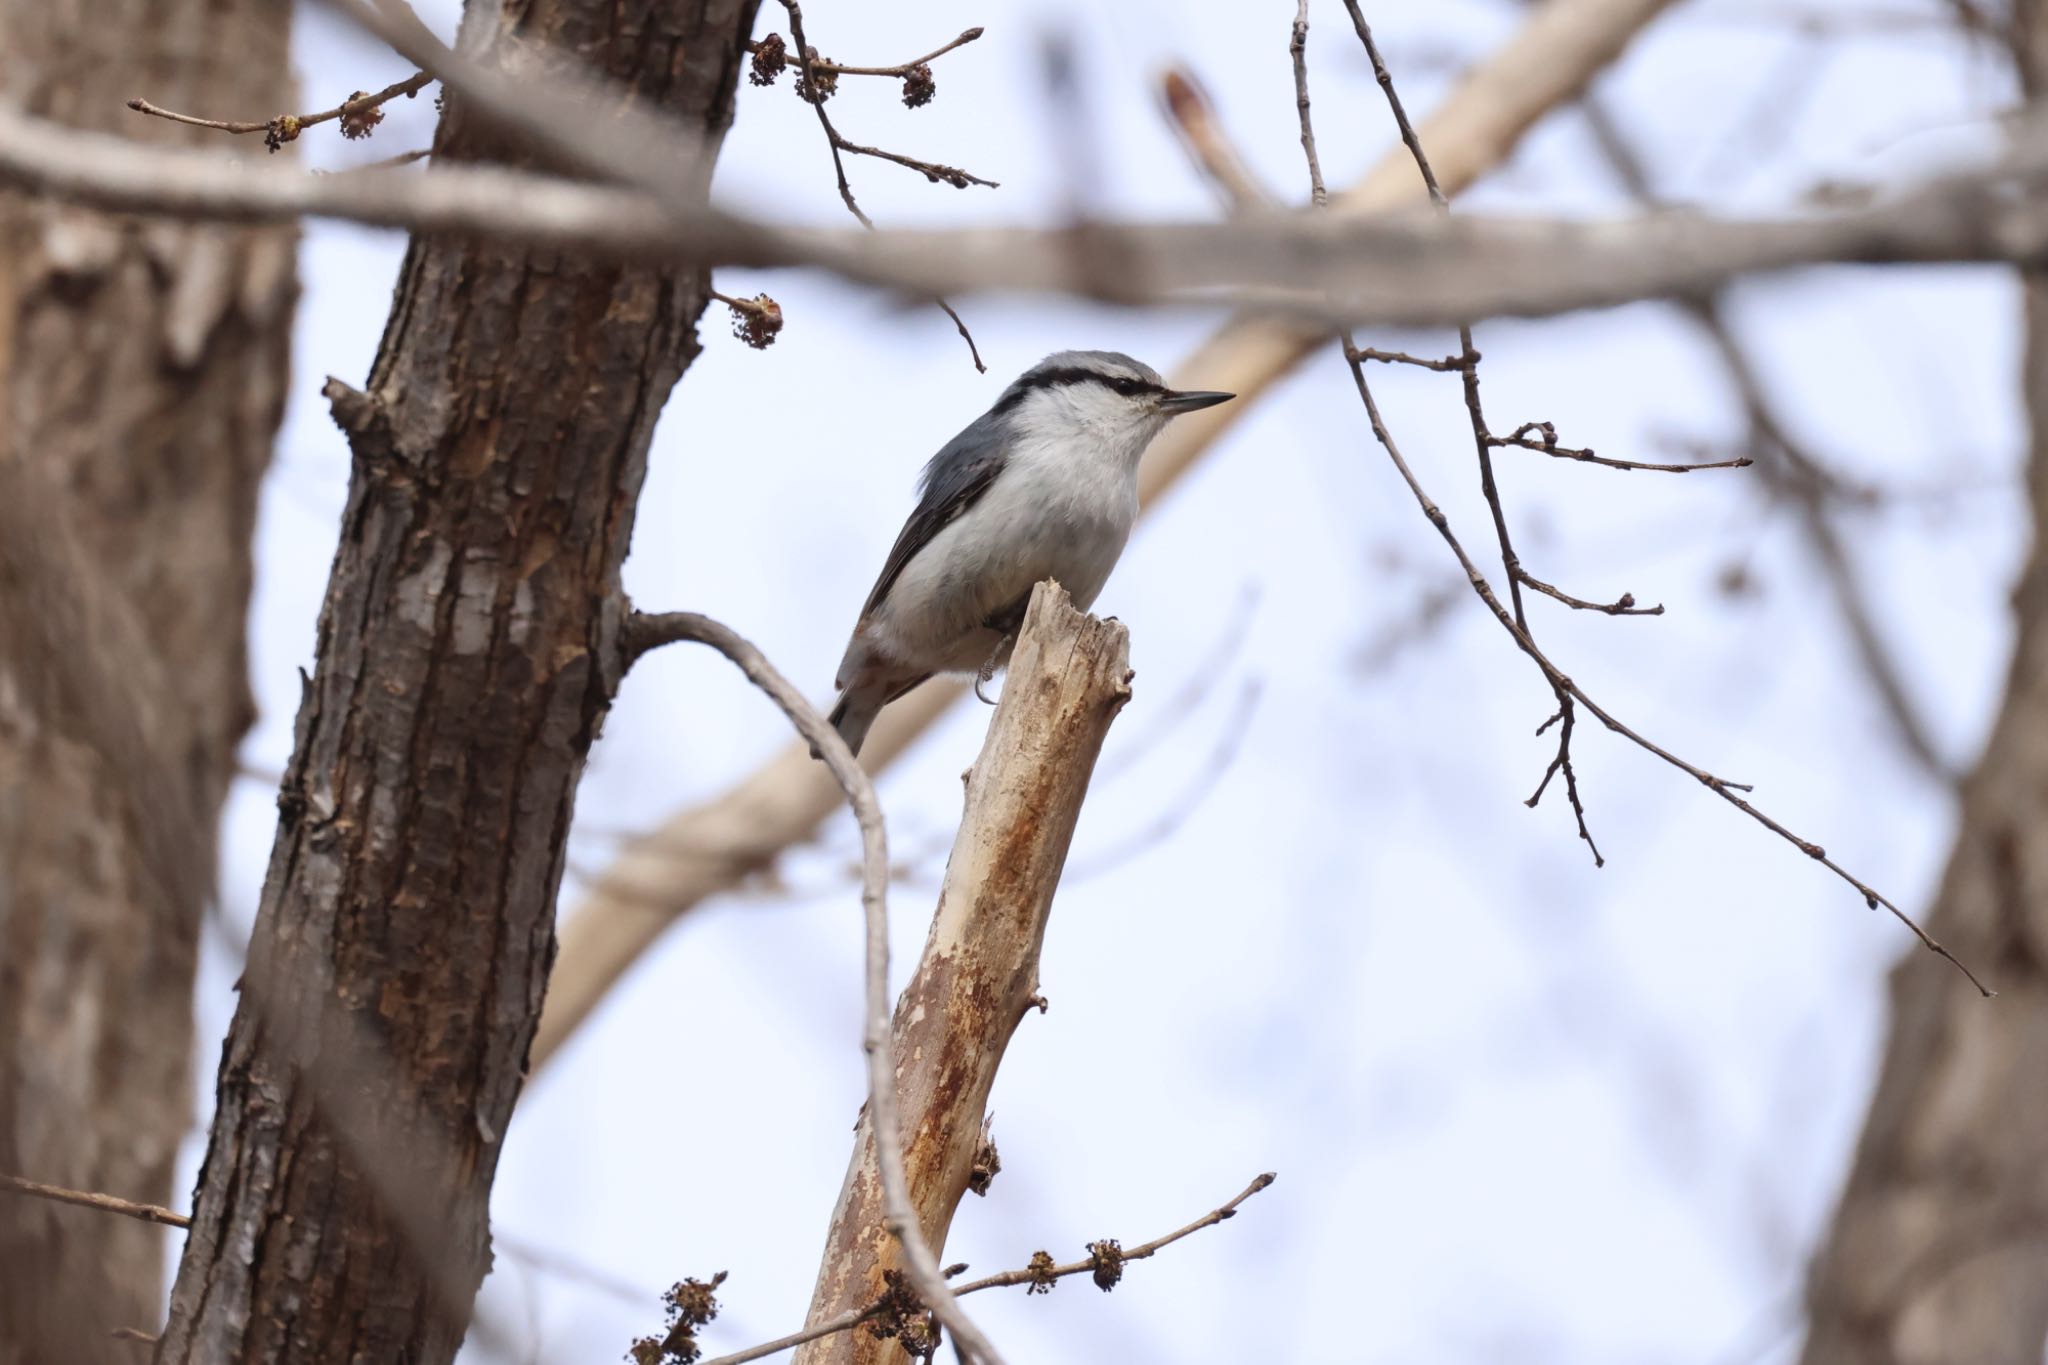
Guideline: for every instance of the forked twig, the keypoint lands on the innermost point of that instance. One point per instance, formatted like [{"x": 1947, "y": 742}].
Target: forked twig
[{"x": 810, "y": 65}]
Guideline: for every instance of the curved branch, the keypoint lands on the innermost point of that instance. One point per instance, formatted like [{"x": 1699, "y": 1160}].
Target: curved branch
[{"x": 285, "y": 127}]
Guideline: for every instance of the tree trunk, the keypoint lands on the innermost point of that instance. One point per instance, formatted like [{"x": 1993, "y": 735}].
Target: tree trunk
[
  {"x": 978, "y": 977},
  {"x": 142, "y": 373},
  {"x": 1939, "y": 1249},
  {"x": 468, "y": 649}
]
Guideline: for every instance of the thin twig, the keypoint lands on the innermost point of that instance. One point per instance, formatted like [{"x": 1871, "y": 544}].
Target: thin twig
[
  {"x": 105, "y": 1203},
  {"x": 1625, "y": 605},
  {"x": 644, "y": 632},
  {"x": 288, "y": 126},
  {"x": 1446, "y": 365},
  {"x": 1483, "y": 444},
  {"x": 901, "y": 69},
  {"x": 1030, "y": 1275},
  {"x": 1297, "y": 47},
  {"x": 1720, "y": 786},
  {"x": 1548, "y": 446},
  {"x": 810, "y": 64},
  {"x": 1136, "y": 1253}
]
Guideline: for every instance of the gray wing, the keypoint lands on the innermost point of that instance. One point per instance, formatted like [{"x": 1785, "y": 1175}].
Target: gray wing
[{"x": 953, "y": 481}]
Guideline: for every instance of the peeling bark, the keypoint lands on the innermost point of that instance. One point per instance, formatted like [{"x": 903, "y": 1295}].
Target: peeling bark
[
  {"x": 142, "y": 373},
  {"x": 468, "y": 649},
  {"x": 1069, "y": 677}
]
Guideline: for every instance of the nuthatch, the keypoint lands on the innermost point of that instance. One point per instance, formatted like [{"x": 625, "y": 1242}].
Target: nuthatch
[{"x": 1042, "y": 485}]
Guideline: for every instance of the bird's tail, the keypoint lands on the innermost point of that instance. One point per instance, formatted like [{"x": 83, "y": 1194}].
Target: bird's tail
[
  {"x": 856, "y": 711},
  {"x": 858, "y": 706}
]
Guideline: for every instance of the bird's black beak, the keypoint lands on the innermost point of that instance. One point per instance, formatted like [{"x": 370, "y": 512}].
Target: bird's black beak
[{"x": 1174, "y": 404}]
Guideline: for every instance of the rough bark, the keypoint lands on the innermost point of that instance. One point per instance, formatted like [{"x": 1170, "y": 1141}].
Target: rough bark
[
  {"x": 468, "y": 649},
  {"x": 979, "y": 973},
  {"x": 142, "y": 373},
  {"x": 1939, "y": 1248},
  {"x": 703, "y": 850}
]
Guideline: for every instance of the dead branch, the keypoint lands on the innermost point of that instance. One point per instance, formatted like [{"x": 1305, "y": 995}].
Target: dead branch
[
  {"x": 1068, "y": 678},
  {"x": 893, "y": 1210}
]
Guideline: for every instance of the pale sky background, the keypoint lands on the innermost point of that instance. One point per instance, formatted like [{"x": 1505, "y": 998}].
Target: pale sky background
[{"x": 1521, "y": 1109}]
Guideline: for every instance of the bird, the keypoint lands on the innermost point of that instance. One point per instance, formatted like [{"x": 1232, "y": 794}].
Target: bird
[{"x": 1042, "y": 485}]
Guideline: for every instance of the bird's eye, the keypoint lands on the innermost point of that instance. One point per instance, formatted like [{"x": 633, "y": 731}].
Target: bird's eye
[{"x": 1127, "y": 387}]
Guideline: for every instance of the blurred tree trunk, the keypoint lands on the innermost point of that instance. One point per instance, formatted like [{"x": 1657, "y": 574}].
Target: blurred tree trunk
[
  {"x": 1939, "y": 1250},
  {"x": 142, "y": 374},
  {"x": 468, "y": 649}
]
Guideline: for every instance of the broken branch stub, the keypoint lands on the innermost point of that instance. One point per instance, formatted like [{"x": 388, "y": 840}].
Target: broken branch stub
[{"x": 1069, "y": 676}]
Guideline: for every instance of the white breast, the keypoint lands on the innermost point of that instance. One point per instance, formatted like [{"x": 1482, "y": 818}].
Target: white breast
[{"x": 1062, "y": 508}]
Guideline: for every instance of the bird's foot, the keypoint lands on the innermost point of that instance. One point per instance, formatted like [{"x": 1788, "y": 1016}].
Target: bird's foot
[{"x": 988, "y": 671}]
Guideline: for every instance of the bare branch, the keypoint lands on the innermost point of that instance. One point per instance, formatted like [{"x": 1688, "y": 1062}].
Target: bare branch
[
  {"x": 1136, "y": 1253},
  {"x": 899, "y": 70},
  {"x": 1625, "y": 605},
  {"x": 952, "y": 175},
  {"x": 1545, "y": 442},
  {"x": 352, "y": 111},
  {"x": 1721, "y": 787},
  {"x": 105, "y": 1203},
  {"x": 644, "y": 632},
  {"x": 1321, "y": 270},
  {"x": 1297, "y": 47}
]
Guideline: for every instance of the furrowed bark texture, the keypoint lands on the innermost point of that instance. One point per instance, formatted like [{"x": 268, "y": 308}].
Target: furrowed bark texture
[
  {"x": 710, "y": 848},
  {"x": 1069, "y": 677},
  {"x": 142, "y": 373},
  {"x": 468, "y": 649},
  {"x": 1939, "y": 1248}
]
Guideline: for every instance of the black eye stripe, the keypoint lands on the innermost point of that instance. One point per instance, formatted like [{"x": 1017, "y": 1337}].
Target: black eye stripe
[{"x": 1073, "y": 374}]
